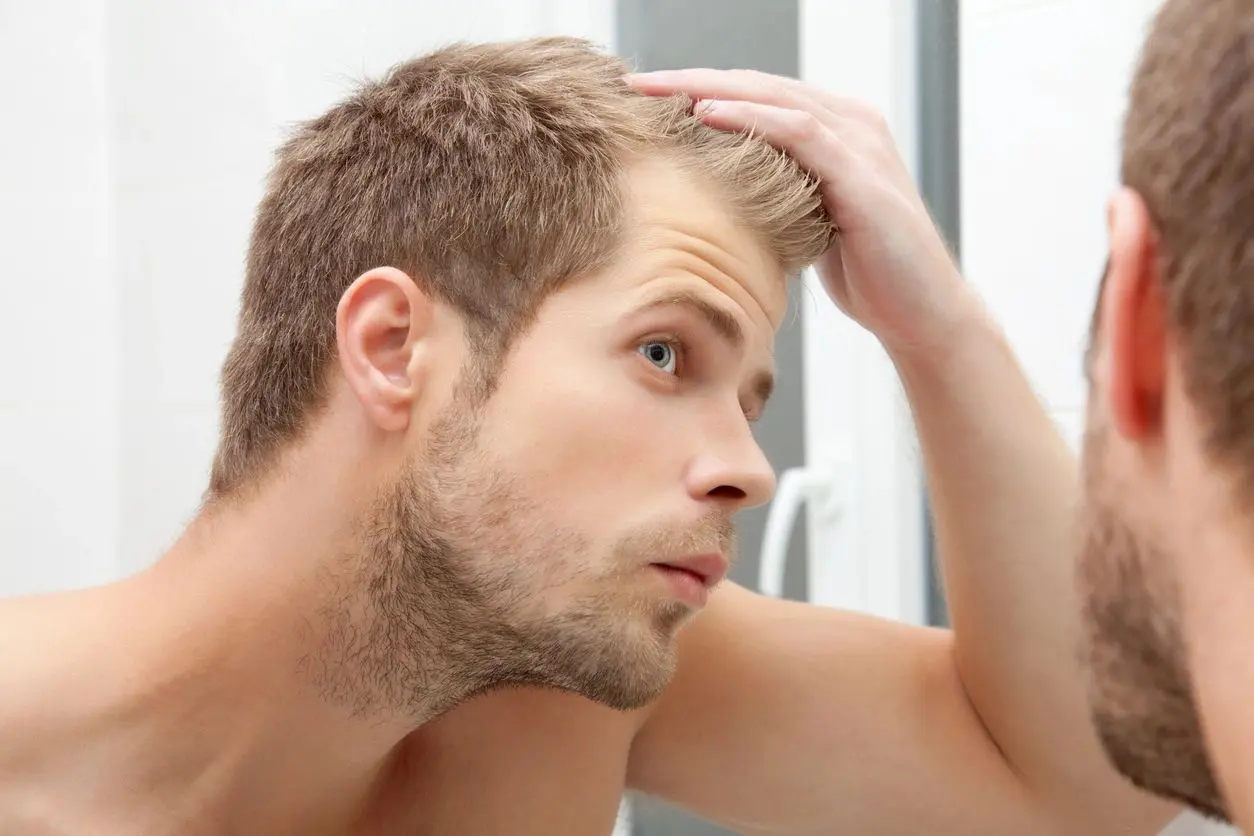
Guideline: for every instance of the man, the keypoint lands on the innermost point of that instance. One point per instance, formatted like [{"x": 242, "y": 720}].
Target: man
[
  {"x": 1164, "y": 575},
  {"x": 485, "y": 424},
  {"x": 487, "y": 418},
  {"x": 1169, "y": 447}
]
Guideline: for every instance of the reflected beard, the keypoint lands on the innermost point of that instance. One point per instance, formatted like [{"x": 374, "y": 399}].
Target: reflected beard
[{"x": 1140, "y": 693}]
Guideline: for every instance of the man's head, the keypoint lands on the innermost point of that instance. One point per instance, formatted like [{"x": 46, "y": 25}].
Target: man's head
[
  {"x": 1169, "y": 447},
  {"x": 539, "y": 307}
]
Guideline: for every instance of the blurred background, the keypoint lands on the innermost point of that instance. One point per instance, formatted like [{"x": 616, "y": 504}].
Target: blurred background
[{"x": 138, "y": 134}]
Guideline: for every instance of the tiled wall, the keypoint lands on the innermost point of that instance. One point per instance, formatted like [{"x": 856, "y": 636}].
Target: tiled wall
[{"x": 61, "y": 366}]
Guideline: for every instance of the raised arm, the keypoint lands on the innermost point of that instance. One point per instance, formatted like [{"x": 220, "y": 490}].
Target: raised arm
[{"x": 789, "y": 718}]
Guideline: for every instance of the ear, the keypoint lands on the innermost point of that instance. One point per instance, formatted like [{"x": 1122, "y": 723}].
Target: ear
[
  {"x": 382, "y": 327},
  {"x": 1134, "y": 320}
]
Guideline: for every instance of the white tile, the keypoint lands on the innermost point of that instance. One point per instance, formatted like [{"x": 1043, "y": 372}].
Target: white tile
[
  {"x": 180, "y": 255},
  {"x": 1191, "y": 824},
  {"x": 1071, "y": 425},
  {"x": 58, "y": 499},
  {"x": 60, "y": 339},
  {"x": 167, "y": 450},
  {"x": 188, "y": 108},
  {"x": 52, "y": 68},
  {"x": 1042, "y": 96}
]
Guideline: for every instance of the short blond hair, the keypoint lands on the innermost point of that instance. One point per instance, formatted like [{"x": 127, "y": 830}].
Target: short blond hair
[{"x": 492, "y": 174}]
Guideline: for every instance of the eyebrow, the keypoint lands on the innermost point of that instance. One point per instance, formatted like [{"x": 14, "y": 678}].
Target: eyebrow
[{"x": 725, "y": 324}]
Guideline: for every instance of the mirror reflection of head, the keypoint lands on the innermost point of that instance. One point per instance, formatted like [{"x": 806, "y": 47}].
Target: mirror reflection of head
[
  {"x": 1169, "y": 446},
  {"x": 506, "y": 325}
]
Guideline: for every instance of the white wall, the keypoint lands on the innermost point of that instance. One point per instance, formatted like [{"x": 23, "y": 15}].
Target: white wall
[
  {"x": 128, "y": 180},
  {"x": 1042, "y": 93},
  {"x": 60, "y": 359}
]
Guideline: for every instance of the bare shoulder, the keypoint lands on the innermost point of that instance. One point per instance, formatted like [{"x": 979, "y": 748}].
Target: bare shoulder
[
  {"x": 39, "y": 639},
  {"x": 519, "y": 761}
]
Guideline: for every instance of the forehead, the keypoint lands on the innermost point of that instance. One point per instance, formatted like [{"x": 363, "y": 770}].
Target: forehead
[{"x": 680, "y": 224}]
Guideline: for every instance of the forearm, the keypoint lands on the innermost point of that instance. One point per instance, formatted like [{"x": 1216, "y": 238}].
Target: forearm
[{"x": 1003, "y": 488}]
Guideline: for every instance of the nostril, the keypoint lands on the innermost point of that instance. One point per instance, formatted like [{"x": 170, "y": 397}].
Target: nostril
[{"x": 728, "y": 492}]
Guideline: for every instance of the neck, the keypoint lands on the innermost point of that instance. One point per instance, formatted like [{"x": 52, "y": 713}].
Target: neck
[
  {"x": 1217, "y": 591},
  {"x": 182, "y": 691}
]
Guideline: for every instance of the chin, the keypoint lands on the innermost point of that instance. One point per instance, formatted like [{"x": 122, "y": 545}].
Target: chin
[{"x": 624, "y": 662}]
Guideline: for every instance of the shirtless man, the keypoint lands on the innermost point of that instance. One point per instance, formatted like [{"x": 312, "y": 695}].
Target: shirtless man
[{"x": 505, "y": 327}]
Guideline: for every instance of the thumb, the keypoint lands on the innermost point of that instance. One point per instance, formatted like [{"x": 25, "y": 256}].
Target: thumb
[{"x": 831, "y": 269}]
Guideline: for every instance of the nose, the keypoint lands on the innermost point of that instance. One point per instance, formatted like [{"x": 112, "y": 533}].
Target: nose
[{"x": 738, "y": 476}]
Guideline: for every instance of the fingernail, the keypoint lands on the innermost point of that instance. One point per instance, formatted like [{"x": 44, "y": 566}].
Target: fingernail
[{"x": 704, "y": 107}]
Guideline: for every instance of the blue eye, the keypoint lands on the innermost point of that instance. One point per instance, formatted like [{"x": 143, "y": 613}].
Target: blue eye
[{"x": 660, "y": 354}]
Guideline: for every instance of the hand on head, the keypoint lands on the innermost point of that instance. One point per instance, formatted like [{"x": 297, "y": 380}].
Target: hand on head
[{"x": 888, "y": 268}]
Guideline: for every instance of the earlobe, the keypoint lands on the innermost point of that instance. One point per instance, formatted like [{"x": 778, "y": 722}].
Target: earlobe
[
  {"x": 1134, "y": 320},
  {"x": 380, "y": 325}
]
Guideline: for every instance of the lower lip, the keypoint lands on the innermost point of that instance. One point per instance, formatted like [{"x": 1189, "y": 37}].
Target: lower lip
[{"x": 687, "y": 587}]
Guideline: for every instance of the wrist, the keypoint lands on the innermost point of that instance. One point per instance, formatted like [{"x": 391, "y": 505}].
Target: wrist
[
  {"x": 958, "y": 323},
  {"x": 967, "y": 378}
]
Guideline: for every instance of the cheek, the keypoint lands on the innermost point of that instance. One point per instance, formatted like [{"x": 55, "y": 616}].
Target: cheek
[{"x": 592, "y": 441}]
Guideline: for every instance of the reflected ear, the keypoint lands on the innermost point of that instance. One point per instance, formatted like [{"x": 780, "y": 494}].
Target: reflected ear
[
  {"x": 1134, "y": 320},
  {"x": 382, "y": 325}
]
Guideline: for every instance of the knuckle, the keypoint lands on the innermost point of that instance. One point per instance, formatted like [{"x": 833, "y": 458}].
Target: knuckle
[
  {"x": 867, "y": 113},
  {"x": 803, "y": 125}
]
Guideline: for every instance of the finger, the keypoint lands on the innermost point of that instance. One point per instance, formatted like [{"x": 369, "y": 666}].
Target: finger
[
  {"x": 755, "y": 86},
  {"x": 730, "y": 85},
  {"x": 798, "y": 133}
]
